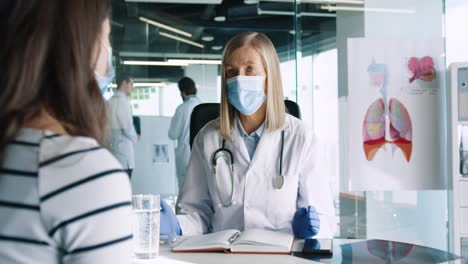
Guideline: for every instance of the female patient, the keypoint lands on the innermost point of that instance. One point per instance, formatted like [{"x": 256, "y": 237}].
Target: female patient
[{"x": 63, "y": 198}]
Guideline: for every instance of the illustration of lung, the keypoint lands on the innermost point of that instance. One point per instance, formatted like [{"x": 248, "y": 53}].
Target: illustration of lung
[
  {"x": 375, "y": 133},
  {"x": 373, "y": 130},
  {"x": 400, "y": 127}
]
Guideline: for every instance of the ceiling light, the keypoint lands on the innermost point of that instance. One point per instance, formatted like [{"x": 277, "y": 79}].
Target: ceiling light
[
  {"x": 250, "y": 2},
  {"x": 137, "y": 84},
  {"x": 217, "y": 47},
  {"x": 361, "y": 9},
  {"x": 209, "y": 62},
  {"x": 352, "y": 2},
  {"x": 207, "y": 38},
  {"x": 220, "y": 18},
  {"x": 149, "y": 84},
  {"x": 164, "y": 34},
  {"x": 161, "y": 25},
  {"x": 154, "y": 63}
]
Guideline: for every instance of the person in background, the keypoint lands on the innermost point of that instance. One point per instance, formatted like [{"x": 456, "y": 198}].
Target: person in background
[
  {"x": 123, "y": 134},
  {"x": 180, "y": 126},
  {"x": 56, "y": 204}
]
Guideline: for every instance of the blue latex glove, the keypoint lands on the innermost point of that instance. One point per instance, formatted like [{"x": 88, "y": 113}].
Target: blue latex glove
[
  {"x": 306, "y": 222},
  {"x": 169, "y": 223}
]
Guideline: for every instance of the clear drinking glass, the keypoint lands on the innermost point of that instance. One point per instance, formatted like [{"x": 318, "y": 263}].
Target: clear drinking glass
[{"x": 146, "y": 226}]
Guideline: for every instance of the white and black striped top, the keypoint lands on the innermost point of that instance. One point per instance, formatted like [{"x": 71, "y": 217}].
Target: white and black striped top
[{"x": 63, "y": 199}]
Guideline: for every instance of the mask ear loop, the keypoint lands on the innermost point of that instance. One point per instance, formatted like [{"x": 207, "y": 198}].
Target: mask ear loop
[{"x": 103, "y": 45}]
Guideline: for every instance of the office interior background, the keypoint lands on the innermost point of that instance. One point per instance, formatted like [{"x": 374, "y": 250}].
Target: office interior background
[{"x": 160, "y": 41}]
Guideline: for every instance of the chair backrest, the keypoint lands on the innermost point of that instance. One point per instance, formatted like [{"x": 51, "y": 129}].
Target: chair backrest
[
  {"x": 201, "y": 115},
  {"x": 292, "y": 108},
  {"x": 204, "y": 113}
]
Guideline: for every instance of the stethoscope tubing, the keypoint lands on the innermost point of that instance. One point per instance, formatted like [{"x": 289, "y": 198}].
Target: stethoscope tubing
[{"x": 223, "y": 148}]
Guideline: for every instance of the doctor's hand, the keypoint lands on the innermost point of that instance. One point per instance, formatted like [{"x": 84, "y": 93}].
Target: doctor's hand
[
  {"x": 306, "y": 222},
  {"x": 169, "y": 223}
]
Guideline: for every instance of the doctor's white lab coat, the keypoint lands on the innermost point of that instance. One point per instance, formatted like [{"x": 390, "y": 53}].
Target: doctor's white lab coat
[
  {"x": 257, "y": 204},
  {"x": 123, "y": 134},
  {"x": 180, "y": 130}
]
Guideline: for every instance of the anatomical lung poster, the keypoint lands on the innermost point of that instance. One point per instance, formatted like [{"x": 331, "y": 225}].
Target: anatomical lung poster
[{"x": 395, "y": 103}]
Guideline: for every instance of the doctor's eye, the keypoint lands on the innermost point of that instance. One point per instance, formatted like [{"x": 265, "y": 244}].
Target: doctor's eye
[{"x": 250, "y": 70}]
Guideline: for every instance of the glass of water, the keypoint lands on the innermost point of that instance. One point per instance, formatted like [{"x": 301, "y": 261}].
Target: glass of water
[{"x": 146, "y": 226}]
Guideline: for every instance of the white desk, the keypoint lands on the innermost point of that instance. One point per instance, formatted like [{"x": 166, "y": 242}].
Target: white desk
[{"x": 168, "y": 257}]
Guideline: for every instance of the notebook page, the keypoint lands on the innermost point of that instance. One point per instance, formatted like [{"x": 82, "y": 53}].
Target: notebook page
[
  {"x": 265, "y": 237},
  {"x": 213, "y": 240}
]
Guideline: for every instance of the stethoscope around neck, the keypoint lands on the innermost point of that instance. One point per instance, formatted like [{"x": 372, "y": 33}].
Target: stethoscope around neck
[{"x": 226, "y": 154}]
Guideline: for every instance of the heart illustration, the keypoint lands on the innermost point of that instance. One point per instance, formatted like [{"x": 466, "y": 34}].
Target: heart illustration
[{"x": 422, "y": 69}]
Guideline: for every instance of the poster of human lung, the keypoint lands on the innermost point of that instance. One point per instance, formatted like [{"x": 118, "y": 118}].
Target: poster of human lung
[{"x": 395, "y": 114}]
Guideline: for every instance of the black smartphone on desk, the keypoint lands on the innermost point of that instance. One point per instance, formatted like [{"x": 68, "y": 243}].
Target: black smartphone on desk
[
  {"x": 316, "y": 249},
  {"x": 323, "y": 247}
]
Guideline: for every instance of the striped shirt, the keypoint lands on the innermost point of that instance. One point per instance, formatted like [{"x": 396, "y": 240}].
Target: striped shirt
[{"x": 63, "y": 199}]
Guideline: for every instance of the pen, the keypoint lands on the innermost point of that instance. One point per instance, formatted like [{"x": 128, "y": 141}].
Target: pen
[{"x": 234, "y": 237}]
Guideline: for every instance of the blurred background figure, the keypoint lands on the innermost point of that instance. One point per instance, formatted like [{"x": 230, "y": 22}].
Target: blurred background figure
[
  {"x": 180, "y": 126},
  {"x": 123, "y": 134}
]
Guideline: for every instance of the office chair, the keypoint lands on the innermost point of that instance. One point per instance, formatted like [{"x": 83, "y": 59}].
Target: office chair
[{"x": 204, "y": 113}]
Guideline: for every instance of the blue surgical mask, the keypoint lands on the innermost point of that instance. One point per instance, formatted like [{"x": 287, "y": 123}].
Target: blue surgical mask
[
  {"x": 246, "y": 93},
  {"x": 104, "y": 81}
]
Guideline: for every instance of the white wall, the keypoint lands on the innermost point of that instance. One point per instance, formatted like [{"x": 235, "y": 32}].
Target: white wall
[
  {"x": 425, "y": 22},
  {"x": 205, "y": 78},
  {"x": 456, "y": 33}
]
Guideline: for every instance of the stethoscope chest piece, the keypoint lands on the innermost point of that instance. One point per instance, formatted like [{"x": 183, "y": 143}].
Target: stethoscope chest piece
[{"x": 278, "y": 182}]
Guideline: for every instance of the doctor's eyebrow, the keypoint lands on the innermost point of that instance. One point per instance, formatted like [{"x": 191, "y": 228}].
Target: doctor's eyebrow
[{"x": 246, "y": 63}]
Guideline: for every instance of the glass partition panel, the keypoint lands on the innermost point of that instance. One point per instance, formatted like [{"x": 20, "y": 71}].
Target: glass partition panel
[{"x": 405, "y": 213}]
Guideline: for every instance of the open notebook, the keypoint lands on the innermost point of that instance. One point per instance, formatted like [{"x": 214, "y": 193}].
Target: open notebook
[{"x": 249, "y": 241}]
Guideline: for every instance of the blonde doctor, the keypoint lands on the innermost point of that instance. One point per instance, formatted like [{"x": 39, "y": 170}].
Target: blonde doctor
[{"x": 255, "y": 166}]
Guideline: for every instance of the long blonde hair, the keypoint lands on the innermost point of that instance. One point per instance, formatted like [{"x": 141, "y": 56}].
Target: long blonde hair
[{"x": 275, "y": 109}]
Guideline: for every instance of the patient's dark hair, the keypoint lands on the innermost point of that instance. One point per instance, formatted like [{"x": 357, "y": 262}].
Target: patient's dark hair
[{"x": 46, "y": 55}]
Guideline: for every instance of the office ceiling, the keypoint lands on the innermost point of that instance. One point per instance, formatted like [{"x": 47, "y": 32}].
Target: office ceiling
[{"x": 134, "y": 39}]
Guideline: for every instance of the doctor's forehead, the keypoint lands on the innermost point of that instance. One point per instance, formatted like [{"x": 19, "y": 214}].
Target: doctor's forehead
[{"x": 244, "y": 56}]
